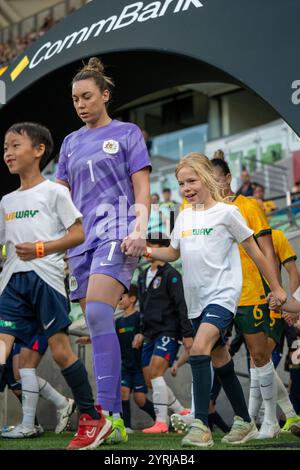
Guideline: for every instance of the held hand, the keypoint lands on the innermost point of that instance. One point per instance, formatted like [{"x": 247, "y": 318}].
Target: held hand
[
  {"x": 83, "y": 340},
  {"x": 133, "y": 245},
  {"x": 138, "y": 341},
  {"x": 26, "y": 251},
  {"x": 187, "y": 343},
  {"x": 272, "y": 302},
  {"x": 277, "y": 298},
  {"x": 174, "y": 369},
  {"x": 290, "y": 318}
]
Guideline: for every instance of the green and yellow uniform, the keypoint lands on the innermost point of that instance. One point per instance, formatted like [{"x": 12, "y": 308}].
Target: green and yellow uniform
[
  {"x": 253, "y": 313},
  {"x": 284, "y": 253}
]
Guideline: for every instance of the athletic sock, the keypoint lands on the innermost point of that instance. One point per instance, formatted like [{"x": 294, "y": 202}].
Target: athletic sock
[
  {"x": 149, "y": 409},
  {"x": 192, "y": 400},
  {"x": 201, "y": 371},
  {"x": 211, "y": 421},
  {"x": 233, "y": 390},
  {"x": 126, "y": 413},
  {"x": 218, "y": 420},
  {"x": 174, "y": 404},
  {"x": 77, "y": 379},
  {"x": 255, "y": 398},
  {"x": 30, "y": 396},
  {"x": 50, "y": 394},
  {"x": 215, "y": 389},
  {"x": 283, "y": 399},
  {"x": 160, "y": 399},
  {"x": 107, "y": 355},
  {"x": 268, "y": 388},
  {"x": 19, "y": 398}
]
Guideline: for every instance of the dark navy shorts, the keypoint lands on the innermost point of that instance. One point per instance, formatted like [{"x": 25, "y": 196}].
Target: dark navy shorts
[
  {"x": 217, "y": 316},
  {"x": 163, "y": 346},
  {"x": 134, "y": 380},
  {"x": 8, "y": 378},
  {"x": 30, "y": 307},
  {"x": 38, "y": 343}
]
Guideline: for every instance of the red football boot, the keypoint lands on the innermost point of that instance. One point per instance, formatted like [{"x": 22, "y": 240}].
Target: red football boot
[{"x": 91, "y": 432}]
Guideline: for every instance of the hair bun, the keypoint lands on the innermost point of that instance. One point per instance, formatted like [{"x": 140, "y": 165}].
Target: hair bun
[
  {"x": 94, "y": 64},
  {"x": 219, "y": 154}
]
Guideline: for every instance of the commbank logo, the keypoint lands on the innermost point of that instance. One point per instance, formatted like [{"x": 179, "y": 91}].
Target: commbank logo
[{"x": 133, "y": 13}]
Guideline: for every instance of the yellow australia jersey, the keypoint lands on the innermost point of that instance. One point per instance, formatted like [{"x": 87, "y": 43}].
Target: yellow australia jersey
[
  {"x": 269, "y": 206},
  {"x": 253, "y": 292},
  {"x": 284, "y": 253},
  {"x": 283, "y": 250}
]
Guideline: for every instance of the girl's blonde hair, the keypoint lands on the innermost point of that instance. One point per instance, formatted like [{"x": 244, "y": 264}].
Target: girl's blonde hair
[{"x": 204, "y": 169}]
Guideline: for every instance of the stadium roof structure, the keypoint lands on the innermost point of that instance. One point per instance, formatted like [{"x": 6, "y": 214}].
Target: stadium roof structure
[{"x": 153, "y": 45}]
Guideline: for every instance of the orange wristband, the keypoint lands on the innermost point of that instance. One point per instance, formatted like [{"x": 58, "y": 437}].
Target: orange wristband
[
  {"x": 40, "y": 249},
  {"x": 148, "y": 252}
]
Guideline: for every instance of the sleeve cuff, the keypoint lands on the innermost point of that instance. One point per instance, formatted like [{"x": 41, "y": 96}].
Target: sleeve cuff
[
  {"x": 263, "y": 232},
  {"x": 145, "y": 165},
  {"x": 291, "y": 258}
]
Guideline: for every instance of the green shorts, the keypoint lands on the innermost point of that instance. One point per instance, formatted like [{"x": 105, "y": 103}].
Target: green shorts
[
  {"x": 257, "y": 318},
  {"x": 253, "y": 319},
  {"x": 276, "y": 326}
]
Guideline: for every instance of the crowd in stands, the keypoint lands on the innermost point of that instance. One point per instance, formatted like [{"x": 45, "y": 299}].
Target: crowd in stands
[
  {"x": 9, "y": 50},
  {"x": 163, "y": 213}
]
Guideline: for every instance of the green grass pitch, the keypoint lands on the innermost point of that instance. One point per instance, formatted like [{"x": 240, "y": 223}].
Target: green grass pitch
[{"x": 139, "y": 441}]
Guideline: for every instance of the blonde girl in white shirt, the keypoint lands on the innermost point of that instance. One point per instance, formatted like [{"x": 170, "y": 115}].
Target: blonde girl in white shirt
[{"x": 206, "y": 237}]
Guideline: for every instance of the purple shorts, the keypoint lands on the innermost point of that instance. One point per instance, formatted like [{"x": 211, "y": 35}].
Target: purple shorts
[{"x": 107, "y": 259}]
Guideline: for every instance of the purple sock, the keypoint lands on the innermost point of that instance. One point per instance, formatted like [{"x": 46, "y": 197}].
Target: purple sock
[
  {"x": 106, "y": 355},
  {"x": 118, "y": 403}
]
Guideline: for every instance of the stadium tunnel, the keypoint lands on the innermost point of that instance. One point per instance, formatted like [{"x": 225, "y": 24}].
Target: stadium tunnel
[{"x": 148, "y": 47}]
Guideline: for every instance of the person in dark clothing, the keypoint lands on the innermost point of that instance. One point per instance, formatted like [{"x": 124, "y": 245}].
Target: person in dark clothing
[
  {"x": 292, "y": 365},
  {"x": 164, "y": 322},
  {"x": 247, "y": 187},
  {"x": 127, "y": 326}
]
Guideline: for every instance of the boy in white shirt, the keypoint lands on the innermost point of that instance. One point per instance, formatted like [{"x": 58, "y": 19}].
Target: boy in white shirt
[{"x": 38, "y": 223}]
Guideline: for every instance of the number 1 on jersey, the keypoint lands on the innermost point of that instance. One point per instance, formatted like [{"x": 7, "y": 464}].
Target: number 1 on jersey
[
  {"x": 111, "y": 252},
  {"x": 90, "y": 165}
]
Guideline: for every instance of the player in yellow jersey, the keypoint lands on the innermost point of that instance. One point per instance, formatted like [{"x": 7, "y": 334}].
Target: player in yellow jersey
[
  {"x": 286, "y": 257},
  {"x": 253, "y": 317}
]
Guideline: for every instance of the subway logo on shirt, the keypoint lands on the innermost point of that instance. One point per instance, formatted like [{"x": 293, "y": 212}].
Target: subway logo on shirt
[
  {"x": 196, "y": 231},
  {"x": 127, "y": 329},
  {"x": 21, "y": 215}
]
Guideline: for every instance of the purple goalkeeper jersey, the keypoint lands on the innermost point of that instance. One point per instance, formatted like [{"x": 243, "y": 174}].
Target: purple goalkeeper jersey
[{"x": 97, "y": 164}]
